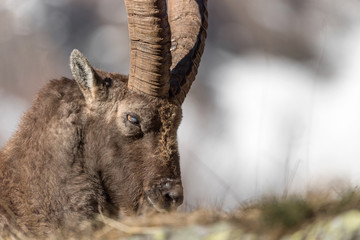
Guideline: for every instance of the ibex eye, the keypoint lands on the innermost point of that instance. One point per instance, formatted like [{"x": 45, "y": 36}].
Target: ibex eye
[{"x": 132, "y": 119}]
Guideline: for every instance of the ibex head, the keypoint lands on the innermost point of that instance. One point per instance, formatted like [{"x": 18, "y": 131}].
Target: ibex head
[{"x": 131, "y": 130}]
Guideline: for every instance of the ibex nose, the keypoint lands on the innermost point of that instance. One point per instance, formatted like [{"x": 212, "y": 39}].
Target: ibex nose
[
  {"x": 173, "y": 194},
  {"x": 166, "y": 196}
]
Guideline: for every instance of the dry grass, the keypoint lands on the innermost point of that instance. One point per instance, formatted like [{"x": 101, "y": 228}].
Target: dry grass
[{"x": 270, "y": 216}]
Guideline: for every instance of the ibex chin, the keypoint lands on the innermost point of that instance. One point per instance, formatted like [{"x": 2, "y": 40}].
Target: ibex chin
[{"x": 107, "y": 142}]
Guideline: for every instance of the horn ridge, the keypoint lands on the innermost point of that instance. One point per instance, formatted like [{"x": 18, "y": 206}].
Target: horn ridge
[{"x": 150, "y": 57}]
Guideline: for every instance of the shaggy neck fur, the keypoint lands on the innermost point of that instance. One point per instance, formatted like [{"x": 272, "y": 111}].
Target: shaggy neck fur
[{"x": 49, "y": 142}]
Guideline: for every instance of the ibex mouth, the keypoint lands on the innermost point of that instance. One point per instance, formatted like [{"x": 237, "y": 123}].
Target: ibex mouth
[
  {"x": 155, "y": 206},
  {"x": 166, "y": 196}
]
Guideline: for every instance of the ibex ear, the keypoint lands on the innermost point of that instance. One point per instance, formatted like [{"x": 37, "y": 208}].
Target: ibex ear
[{"x": 83, "y": 73}]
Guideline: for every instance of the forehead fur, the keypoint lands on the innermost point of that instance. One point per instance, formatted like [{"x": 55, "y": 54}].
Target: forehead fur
[
  {"x": 148, "y": 105},
  {"x": 151, "y": 112}
]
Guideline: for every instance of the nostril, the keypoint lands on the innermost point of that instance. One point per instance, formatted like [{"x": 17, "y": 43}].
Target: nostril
[
  {"x": 174, "y": 195},
  {"x": 167, "y": 195},
  {"x": 168, "y": 198}
]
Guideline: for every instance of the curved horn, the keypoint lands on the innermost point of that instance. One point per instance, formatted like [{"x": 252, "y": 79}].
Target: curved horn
[
  {"x": 188, "y": 24},
  {"x": 150, "y": 57}
]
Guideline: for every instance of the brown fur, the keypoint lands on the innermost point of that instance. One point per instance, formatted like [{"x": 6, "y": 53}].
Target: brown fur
[
  {"x": 75, "y": 155},
  {"x": 103, "y": 143}
]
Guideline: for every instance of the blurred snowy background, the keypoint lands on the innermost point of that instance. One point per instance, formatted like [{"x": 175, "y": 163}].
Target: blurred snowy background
[{"x": 275, "y": 107}]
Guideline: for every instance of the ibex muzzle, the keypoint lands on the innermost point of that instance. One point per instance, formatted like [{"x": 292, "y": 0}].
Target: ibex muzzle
[
  {"x": 167, "y": 195},
  {"x": 107, "y": 142}
]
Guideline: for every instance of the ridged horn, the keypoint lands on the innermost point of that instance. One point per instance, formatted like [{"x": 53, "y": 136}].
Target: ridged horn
[
  {"x": 150, "y": 57},
  {"x": 188, "y": 24}
]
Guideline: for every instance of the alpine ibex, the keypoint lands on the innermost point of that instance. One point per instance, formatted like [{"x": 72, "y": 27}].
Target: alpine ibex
[{"x": 107, "y": 142}]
